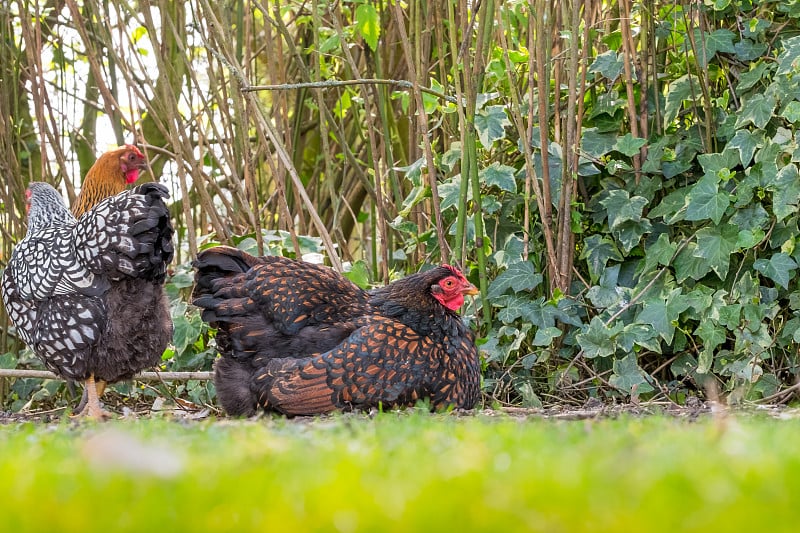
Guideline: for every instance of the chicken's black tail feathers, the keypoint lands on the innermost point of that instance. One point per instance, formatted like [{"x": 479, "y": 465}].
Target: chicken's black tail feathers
[{"x": 128, "y": 235}]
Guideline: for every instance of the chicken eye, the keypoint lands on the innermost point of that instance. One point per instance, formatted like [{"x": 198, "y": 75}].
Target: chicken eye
[{"x": 449, "y": 283}]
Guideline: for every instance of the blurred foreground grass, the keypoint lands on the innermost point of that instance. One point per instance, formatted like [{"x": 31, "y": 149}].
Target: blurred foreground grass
[{"x": 402, "y": 472}]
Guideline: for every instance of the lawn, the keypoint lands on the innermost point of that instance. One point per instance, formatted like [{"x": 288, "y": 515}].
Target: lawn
[{"x": 403, "y": 472}]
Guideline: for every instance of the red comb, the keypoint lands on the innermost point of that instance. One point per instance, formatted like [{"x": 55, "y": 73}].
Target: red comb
[
  {"x": 134, "y": 149},
  {"x": 454, "y": 270}
]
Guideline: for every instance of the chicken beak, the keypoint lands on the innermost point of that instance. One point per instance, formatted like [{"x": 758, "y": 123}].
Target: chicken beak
[{"x": 470, "y": 290}]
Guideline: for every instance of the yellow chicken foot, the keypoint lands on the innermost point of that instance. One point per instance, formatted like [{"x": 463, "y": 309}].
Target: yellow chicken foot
[
  {"x": 101, "y": 387},
  {"x": 93, "y": 409}
]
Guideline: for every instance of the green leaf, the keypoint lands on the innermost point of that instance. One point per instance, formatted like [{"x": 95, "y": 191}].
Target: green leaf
[
  {"x": 706, "y": 201},
  {"x": 368, "y": 24},
  {"x": 687, "y": 265},
  {"x": 596, "y": 340},
  {"x": 620, "y": 207},
  {"x": 778, "y": 268},
  {"x": 704, "y": 361},
  {"x": 490, "y": 124},
  {"x": 679, "y": 90},
  {"x": 608, "y": 293},
  {"x": 450, "y": 192},
  {"x": 757, "y": 110},
  {"x": 785, "y": 192},
  {"x": 672, "y": 207},
  {"x": 654, "y": 313},
  {"x": 518, "y": 277},
  {"x": 792, "y": 112},
  {"x": 750, "y": 78},
  {"x": 597, "y": 251},
  {"x": 628, "y": 375},
  {"x": 639, "y": 335},
  {"x": 185, "y": 332},
  {"x": 596, "y": 144},
  {"x": 358, "y": 274},
  {"x": 8, "y": 360},
  {"x": 746, "y": 142},
  {"x": 660, "y": 252},
  {"x": 608, "y": 64},
  {"x": 662, "y": 313},
  {"x": 629, "y": 145},
  {"x": 545, "y": 336},
  {"x": 712, "y": 334},
  {"x": 789, "y": 59},
  {"x": 716, "y": 244},
  {"x": 499, "y": 175},
  {"x": 630, "y": 233},
  {"x": 721, "y": 41}
]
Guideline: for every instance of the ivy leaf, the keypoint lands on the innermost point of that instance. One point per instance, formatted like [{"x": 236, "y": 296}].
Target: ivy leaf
[
  {"x": 747, "y": 51},
  {"x": 597, "y": 250},
  {"x": 185, "y": 332},
  {"x": 8, "y": 360},
  {"x": 628, "y": 375},
  {"x": 543, "y": 314},
  {"x": 672, "y": 207},
  {"x": 639, "y": 335},
  {"x": 620, "y": 207},
  {"x": 545, "y": 336},
  {"x": 750, "y": 78},
  {"x": 721, "y": 41},
  {"x": 713, "y": 163},
  {"x": 712, "y": 334},
  {"x": 792, "y": 112},
  {"x": 789, "y": 59},
  {"x": 596, "y": 144},
  {"x": 679, "y": 90},
  {"x": 746, "y": 142},
  {"x": 518, "y": 277},
  {"x": 490, "y": 123},
  {"x": 596, "y": 340},
  {"x": 706, "y": 201},
  {"x": 608, "y": 64},
  {"x": 629, "y": 145},
  {"x": 659, "y": 253},
  {"x": 785, "y": 191},
  {"x": 630, "y": 232},
  {"x": 450, "y": 192},
  {"x": 687, "y": 265},
  {"x": 358, "y": 274},
  {"x": 500, "y": 175},
  {"x": 716, "y": 244},
  {"x": 607, "y": 293},
  {"x": 654, "y": 313},
  {"x": 778, "y": 268},
  {"x": 757, "y": 110},
  {"x": 368, "y": 25}
]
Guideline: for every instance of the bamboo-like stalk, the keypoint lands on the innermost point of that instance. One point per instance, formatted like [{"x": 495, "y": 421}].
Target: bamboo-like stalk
[
  {"x": 628, "y": 53},
  {"x": 422, "y": 131}
]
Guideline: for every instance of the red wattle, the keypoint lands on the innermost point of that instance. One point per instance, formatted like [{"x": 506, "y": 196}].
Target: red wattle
[{"x": 132, "y": 175}]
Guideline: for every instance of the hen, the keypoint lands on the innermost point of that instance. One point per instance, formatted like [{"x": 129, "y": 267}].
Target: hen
[
  {"x": 59, "y": 285},
  {"x": 301, "y": 339},
  {"x": 109, "y": 175}
]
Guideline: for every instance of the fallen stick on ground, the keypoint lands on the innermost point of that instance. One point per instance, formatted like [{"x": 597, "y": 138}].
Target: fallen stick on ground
[{"x": 144, "y": 376}]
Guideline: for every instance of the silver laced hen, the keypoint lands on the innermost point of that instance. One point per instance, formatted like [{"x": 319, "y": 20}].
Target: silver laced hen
[{"x": 87, "y": 295}]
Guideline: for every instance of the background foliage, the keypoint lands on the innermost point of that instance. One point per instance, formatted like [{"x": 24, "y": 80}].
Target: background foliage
[{"x": 620, "y": 179}]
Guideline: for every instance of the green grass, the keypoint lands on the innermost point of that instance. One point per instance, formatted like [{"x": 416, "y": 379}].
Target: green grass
[{"x": 403, "y": 472}]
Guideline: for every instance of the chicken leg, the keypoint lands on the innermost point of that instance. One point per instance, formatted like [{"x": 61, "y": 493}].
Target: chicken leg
[{"x": 92, "y": 408}]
